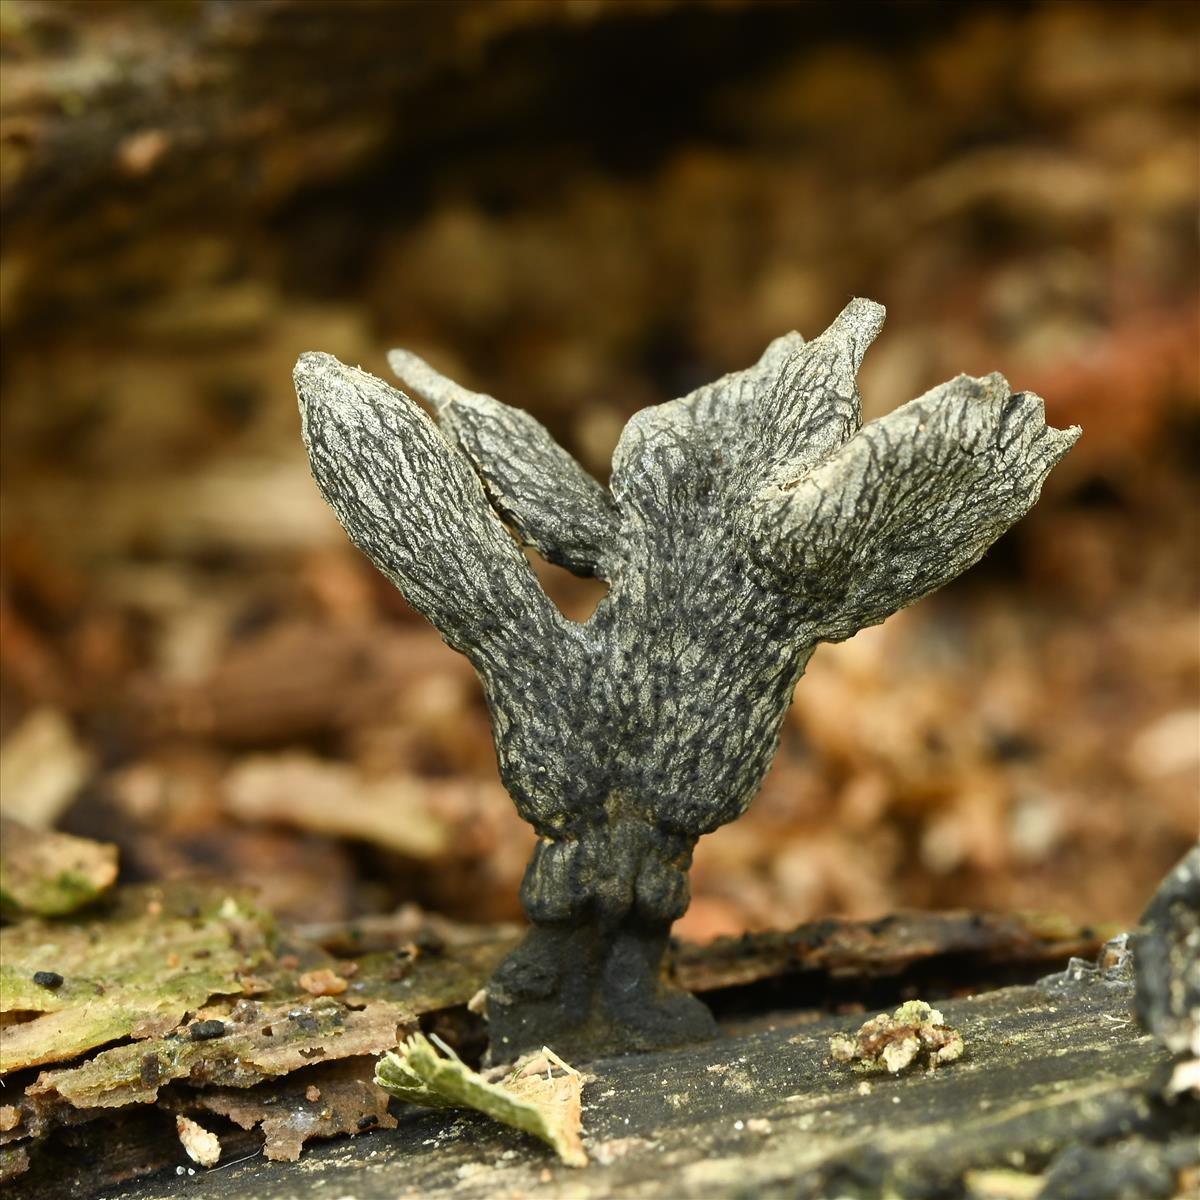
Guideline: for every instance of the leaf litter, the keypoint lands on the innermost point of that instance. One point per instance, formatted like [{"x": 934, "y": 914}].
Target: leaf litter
[
  {"x": 531, "y": 1097},
  {"x": 50, "y": 873},
  {"x": 134, "y": 970}
]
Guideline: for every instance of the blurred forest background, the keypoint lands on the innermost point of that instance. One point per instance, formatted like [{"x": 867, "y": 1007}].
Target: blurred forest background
[{"x": 583, "y": 208}]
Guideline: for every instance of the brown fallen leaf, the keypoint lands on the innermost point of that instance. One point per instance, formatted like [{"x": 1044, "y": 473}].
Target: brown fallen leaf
[
  {"x": 49, "y": 873},
  {"x": 42, "y": 766},
  {"x": 303, "y": 791}
]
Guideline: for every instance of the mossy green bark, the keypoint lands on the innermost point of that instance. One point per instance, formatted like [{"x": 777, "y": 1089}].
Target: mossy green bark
[{"x": 132, "y": 970}]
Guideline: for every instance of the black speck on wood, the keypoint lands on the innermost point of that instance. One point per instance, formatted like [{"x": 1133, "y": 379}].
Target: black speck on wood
[
  {"x": 744, "y": 524},
  {"x": 48, "y": 979},
  {"x": 204, "y": 1030}
]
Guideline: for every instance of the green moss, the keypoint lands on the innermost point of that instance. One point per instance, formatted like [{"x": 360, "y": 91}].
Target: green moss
[{"x": 137, "y": 966}]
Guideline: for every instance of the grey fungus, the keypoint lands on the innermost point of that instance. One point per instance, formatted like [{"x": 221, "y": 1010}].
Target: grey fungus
[{"x": 744, "y": 524}]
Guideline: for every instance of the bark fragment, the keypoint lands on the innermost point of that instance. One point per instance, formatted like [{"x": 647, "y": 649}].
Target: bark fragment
[
  {"x": 51, "y": 873},
  {"x": 132, "y": 971}
]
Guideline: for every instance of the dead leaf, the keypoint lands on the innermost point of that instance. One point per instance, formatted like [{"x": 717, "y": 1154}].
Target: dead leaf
[
  {"x": 548, "y": 1106},
  {"x": 303, "y": 791},
  {"x": 51, "y": 873},
  {"x": 42, "y": 766}
]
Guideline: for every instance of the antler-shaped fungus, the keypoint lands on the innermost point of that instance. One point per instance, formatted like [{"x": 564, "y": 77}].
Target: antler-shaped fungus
[{"x": 744, "y": 524}]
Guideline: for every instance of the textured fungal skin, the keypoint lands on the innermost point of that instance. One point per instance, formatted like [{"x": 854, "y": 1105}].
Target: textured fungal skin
[{"x": 744, "y": 523}]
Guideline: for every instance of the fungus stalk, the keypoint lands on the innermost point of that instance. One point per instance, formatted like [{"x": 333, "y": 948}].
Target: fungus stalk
[{"x": 744, "y": 524}]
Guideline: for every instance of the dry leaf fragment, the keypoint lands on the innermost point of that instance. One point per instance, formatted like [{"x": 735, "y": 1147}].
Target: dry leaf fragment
[
  {"x": 51, "y": 873},
  {"x": 548, "y": 1106},
  {"x": 330, "y": 798},
  {"x": 42, "y": 765}
]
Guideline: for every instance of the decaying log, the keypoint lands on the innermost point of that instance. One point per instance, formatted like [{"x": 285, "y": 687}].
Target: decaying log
[
  {"x": 753, "y": 1075},
  {"x": 1055, "y": 1097}
]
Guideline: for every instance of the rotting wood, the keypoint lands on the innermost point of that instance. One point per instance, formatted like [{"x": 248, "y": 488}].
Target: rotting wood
[
  {"x": 419, "y": 964},
  {"x": 1054, "y": 1075},
  {"x": 887, "y": 946}
]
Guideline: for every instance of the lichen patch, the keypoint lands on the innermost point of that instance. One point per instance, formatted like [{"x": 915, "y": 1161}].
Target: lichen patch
[{"x": 915, "y": 1034}]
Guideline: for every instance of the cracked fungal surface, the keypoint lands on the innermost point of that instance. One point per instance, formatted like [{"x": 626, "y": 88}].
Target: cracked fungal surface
[{"x": 744, "y": 524}]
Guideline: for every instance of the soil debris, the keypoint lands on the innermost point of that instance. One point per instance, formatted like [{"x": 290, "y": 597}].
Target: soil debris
[
  {"x": 202, "y": 1146},
  {"x": 323, "y": 982},
  {"x": 291, "y": 1111},
  {"x": 914, "y": 1033}
]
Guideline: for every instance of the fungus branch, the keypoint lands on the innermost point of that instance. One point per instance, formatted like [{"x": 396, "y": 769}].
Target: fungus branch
[{"x": 549, "y": 499}]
